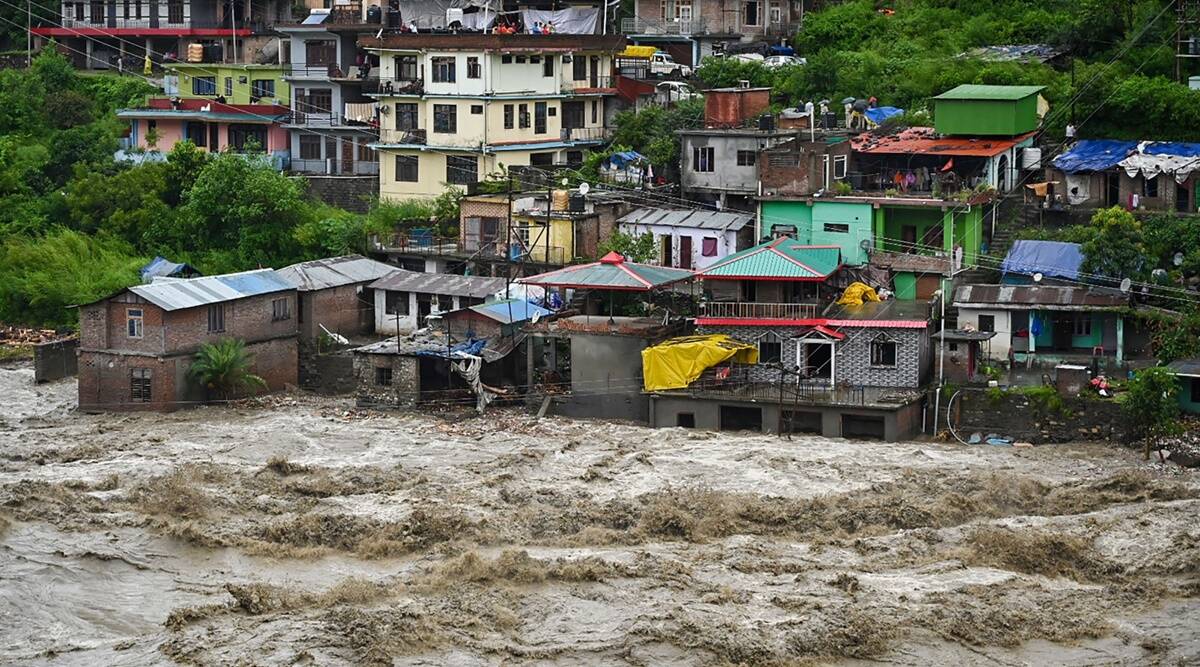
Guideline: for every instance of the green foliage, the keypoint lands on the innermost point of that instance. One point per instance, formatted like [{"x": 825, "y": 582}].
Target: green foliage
[
  {"x": 727, "y": 72},
  {"x": 634, "y": 248},
  {"x": 1116, "y": 249},
  {"x": 332, "y": 232},
  {"x": 41, "y": 276},
  {"x": 651, "y": 131},
  {"x": 446, "y": 206},
  {"x": 1177, "y": 338},
  {"x": 388, "y": 215},
  {"x": 224, "y": 368},
  {"x": 1150, "y": 403},
  {"x": 1046, "y": 401}
]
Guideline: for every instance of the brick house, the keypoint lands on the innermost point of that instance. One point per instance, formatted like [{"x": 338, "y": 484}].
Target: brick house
[
  {"x": 136, "y": 346},
  {"x": 335, "y": 293}
]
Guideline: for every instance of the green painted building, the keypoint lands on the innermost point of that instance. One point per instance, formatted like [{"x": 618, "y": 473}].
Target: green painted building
[
  {"x": 833, "y": 223},
  {"x": 1187, "y": 371},
  {"x": 979, "y": 110},
  {"x": 238, "y": 84}
]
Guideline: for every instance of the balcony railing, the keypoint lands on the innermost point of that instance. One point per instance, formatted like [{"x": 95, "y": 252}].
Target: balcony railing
[
  {"x": 392, "y": 87},
  {"x": 336, "y": 167},
  {"x": 758, "y": 311},
  {"x": 328, "y": 119},
  {"x": 642, "y": 26},
  {"x": 587, "y": 133},
  {"x": 147, "y": 23},
  {"x": 414, "y": 137},
  {"x": 590, "y": 82},
  {"x": 424, "y": 244}
]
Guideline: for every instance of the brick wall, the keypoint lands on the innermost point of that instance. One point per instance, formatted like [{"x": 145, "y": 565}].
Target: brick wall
[
  {"x": 405, "y": 389},
  {"x": 347, "y": 310},
  {"x": 55, "y": 360},
  {"x": 353, "y": 193},
  {"x": 1014, "y": 415}
]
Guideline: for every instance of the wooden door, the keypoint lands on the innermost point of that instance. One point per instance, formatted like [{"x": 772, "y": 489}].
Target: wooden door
[
  {"x": 347, "y": 156},
  {"x": 667, "y": 258},
  {"x": 685, "y": 252}
]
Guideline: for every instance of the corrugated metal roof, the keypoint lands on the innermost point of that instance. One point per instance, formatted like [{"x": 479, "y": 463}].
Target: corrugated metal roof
[
  {"x": 972, "y": 91},
  {"x": 1043, "y": 297},
  {"x": 511, "y": 310},
  {"x": 925, "y": 140},
  {"x": 334, "y": 272},
  {"x": 779, "y": 259},
  {"x": 612, "y": 273},
  {"x": 720, "y": 220},
  {"x": 1094, "y": 155},
  {"x": 448, "y": 284},
  {"x": 180, "y": 293},
  {"x": 1185, "y": 367},
  {"x": 891, "y": 313}
]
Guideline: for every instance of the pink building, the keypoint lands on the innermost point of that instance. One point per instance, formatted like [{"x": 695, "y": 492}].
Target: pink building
[{"x": 210, "y": 125}]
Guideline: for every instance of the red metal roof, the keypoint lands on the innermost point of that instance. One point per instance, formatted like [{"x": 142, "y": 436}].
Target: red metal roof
[
  {"x": 815, "y": 323},
  {"x": 104, "y": 31},
  {"x": 924, "y": 140}
]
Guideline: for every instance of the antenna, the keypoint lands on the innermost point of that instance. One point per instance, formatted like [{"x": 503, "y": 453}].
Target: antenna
[{"x": 1126, "y": 284}]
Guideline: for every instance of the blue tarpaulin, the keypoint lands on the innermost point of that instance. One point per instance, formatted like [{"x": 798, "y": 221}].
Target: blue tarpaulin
[
  {"x": 1094, "y": 155},
  {"x": 1172, "y": 148},
  {"x": 161, "y": 267},
  {"x": 619, "y": 160},
  {"x": 880, "y": 114},
  {"x": 511, "y": 310},
  {"x": 1049, "y": 258},
  {"x": 471, "y": 347}
]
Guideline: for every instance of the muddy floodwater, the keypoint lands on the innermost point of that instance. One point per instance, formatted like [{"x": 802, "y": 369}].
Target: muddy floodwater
[{"x": 297, "y": 530}]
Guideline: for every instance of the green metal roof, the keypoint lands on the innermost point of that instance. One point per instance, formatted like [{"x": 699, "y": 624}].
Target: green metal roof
[
  {"x": 971, "y": 91},
  {"x": 612, "y": 272},
  {"x": 779, "y": 259}
]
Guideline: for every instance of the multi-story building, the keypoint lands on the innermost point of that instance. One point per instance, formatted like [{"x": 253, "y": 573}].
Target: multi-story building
[
  {"x": 136, "y": 347},
  {"x": 691, "y": 29},
  {"x": 457, "y": 107},
  {"x": 99, "y": 33},
  {"x": 231, "y": 83},
  {"x": 333, "y": 122}
]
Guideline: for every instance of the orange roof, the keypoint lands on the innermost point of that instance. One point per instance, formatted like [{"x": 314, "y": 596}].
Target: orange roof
[{"x": 924, "y": 140}]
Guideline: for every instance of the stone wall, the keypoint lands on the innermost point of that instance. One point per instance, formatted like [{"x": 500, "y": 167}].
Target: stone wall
[
  {"x": 55, "y": 360},
  {"x": 327, "y": 373},
  {"x": 404, "y": 390},
  {"x": 1024, "y": 418},
  {"x": 353, "y": 193}
]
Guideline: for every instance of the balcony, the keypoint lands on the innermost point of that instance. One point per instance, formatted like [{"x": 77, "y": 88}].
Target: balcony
[
  {"x": 592, "y": 82},
  {"x": 336, "y": 167},
  {"x": 412, "y": 137},
  {"x": 758, "y": 311},
  {"x": 584, "y": 134},
  {"x": 329, "y": 119},
  {"x": 148, "y": 23},
  {"x": 643, "y": 26},
  {"x": 423, "y": 244},
  {"x": 392, "y": 87}
]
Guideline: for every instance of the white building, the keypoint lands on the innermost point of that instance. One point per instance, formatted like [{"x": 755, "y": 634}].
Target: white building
[
  {"x": 690, "y": 239},
  {"x": 404, "y": 299}
]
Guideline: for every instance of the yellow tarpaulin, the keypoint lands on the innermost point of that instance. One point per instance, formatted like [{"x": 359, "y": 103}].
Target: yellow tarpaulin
[
  {"x": 678, "y": 362},
  {"x": 856, "y": 294},
  {"x": 638, "y": 52}
]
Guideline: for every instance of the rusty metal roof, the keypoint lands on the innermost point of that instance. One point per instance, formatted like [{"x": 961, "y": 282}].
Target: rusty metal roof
[
  {"x": 334, "y": 272},
  {"x": 1041, "y": 297},
  {"x": 926, "y": 141},
  {"x": 181, "y": 293},
  {"x": 449, "y": 284}
]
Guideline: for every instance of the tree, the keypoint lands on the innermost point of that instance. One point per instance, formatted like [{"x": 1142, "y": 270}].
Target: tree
[
  {"x": 1116, "y": 251},
  {"x": 1150, "y": 404},
  {"x": 634, "y": 248},
  {"x": 1178, "y": 338},
  {"x": 224, "y": 367}
]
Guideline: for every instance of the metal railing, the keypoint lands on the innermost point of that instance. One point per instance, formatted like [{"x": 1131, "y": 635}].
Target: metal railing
[
  {"x": 373, "y": 86},
  {"x": 335, "y": 71},
  {"x": 763, "y": 311},
  {"x": 326, "y": 119},
  {"x": 414, "y": 137},
  {"x": 147, "y": 23},
  {"x": 642, "y": 26},
  {"x": 425, "y": 244},
  {"x": 336, "y": 167},
  {"x": 586, "y": 133},
  {"x": 589, "y": 82}
]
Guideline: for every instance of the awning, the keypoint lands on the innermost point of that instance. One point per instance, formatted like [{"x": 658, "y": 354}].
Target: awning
[
  {"x": 678, "y": 362},
  {"x": 612, "y": 272}
]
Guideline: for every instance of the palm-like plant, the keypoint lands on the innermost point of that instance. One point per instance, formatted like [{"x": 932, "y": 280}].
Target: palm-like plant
[{"x": 224, "y": 367}]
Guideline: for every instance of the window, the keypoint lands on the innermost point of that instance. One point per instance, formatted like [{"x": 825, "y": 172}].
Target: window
[
  {"x": 228, "y": 86},
  {"x": 1150, "y": 186},
  {"x": 444, "y": 69},
  {"x": 365, "y": 152},
  {"x": 395, "y": 303},
  {"x": 139, "y": 385},
  {"x": 133, "y": 322},
  {"x": 1195, "y": 397},
  {"x": 261, "y": 88},
  {"x": 406, "y": 116},
  {"x": 310, "y": 147},
  {"x": 138, "y": 9},
  {"x": 745, "y": 158},
  {"x": 539, "y": 117},
  {"x": 770, "y": 349},
  {"x": 125, "y": 9},
  {"x": 595, "y": 112},
  {"x": 204, "y": 85},
  {"x": 508, "y": 116},
  {"x": 776, "y": 14},
  {"x": 197, "y": 133},
  {"x": 548, "y": 66},
  {"x": 1083, "y": 324},
  {"x": 579, "y": 68},
  {"x": 79, "y": 11},
  {"x": 708, "y": 246},
  {"x": 932, "y": 239},
  {"x": 987, "y": 322},
  {"x": 281, "y": 309},
  {"x": 520, "y": 60},
  {"x": 462, "y": 170},
  {"x": 216, "y": 318},
  {"x": 523, "y": 116},
  {"x": 703, "y": 158},
  {"x": 574, "y": 157},
  {"x": 883, "y": 353},
  {"x": 97, "y": 12},
  {"x": 839, "y": 167},
  {"x": 319, "y": 100},
  {"x": 506, "y": 60},
  {"x": 175, "y": 11},
  {"x": 406, "y": 68},
  {"x": 476, "y": 109},
  {"x": 837, "y": 228},
  {"x": 474, "y": 71},
  {"x": 750, "y": 12},
  {"x": 407, "y": 169},
  {"x": 552, "y": 111},
  {"x": 383, "y": 376},
  {"x": 533, "y": 60},
  {"x": 445, "y": 118},
  {"x": 248, "y": 138}
]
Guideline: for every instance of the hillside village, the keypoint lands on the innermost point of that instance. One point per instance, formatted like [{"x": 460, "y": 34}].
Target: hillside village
[{"x": 520, "y": 220}]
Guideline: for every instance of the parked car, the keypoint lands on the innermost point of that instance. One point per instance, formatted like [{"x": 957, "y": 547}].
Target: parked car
[
  {"x": 669, "y": 92},
  {"x": 775, "y": 62},
  {"x": 662, "y": 64}
]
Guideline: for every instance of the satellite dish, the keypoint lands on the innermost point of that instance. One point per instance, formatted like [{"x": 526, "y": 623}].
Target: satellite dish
[
  {"x": 1126, "y": 284},
  {"x": 584, "y": 188},
  {"x": 1037, "y": 277},
  {"x": 1177, "y": 259},
  {"x": 565, "y": 181},
  {"x": 865, "y": 244}
]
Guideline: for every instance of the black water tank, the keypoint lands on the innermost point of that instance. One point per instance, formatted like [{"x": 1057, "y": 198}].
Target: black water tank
[
  {"x": 374, "y": 14},
  {"x": 576, "y": 204},
  {"x": 766, "y": 122},
  {"x": 393, "y": 18}
]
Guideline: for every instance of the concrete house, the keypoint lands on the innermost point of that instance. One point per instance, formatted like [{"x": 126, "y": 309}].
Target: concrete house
[
  {"x": 691, "y": 239},
  {"x": 334, "y": 294},
  {"x": 455, "y": 107},
  {"x": 1188, "y": 373},
  {"x": 1139, "y": 176},
  {"x": 720, "y": 166},
  {"x": 212, "y": 126},
  {"x": 404, "y": 299},
  {"x": 691, "y": 30},
  {"x": 137, "y": 345}
]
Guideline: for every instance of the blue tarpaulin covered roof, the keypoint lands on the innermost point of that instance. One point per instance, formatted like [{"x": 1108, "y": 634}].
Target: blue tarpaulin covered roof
[
  {"x": 1171, "y": 148},
  {"x": 1094, "y": 155},
  {"x": 1049, "y": 258},
  {"x": 472, "y": 347},
  {"x": 619, "y": 160},
  {"x": 879, "y": 114},
  {"x": 162, "y": 267},
  {"x": 511, "y": 310}
]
